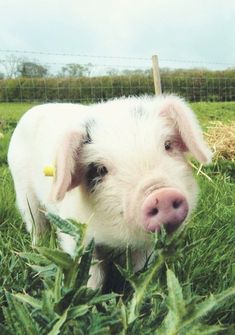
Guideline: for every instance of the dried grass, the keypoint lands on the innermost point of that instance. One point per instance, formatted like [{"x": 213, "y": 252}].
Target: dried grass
[{"x": 221, "y": 138}]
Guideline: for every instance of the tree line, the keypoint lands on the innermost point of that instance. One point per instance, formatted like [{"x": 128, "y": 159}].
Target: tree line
[{"x": 14, "y": 67}]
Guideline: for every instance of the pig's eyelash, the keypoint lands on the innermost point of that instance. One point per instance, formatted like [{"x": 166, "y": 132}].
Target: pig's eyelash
[{"x": 88, "y": 130}]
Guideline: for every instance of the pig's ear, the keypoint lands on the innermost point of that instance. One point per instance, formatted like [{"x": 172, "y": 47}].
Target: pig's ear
[
  {"x": 67, "y": 169},
  {"x": 183, "y": 119}
]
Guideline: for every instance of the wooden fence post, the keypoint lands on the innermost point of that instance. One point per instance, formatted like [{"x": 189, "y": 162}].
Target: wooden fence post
[{"x": 156, "y": 76}]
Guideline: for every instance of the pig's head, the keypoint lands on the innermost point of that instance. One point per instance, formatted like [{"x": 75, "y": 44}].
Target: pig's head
[{"x": 128, "y": 169}]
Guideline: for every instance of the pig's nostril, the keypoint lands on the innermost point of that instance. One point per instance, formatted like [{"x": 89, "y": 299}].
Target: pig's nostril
[
  {"x": 153, "y": 212},
  {"x": 176, "y": 203}
]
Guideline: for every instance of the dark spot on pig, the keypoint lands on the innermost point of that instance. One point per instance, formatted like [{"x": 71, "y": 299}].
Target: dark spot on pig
[{"x": 94, "y": 175}]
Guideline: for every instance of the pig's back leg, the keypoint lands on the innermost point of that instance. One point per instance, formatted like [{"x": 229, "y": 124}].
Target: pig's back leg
[
  {"x": 26, "y": 199},
  {"x": 31, "y": 211}
]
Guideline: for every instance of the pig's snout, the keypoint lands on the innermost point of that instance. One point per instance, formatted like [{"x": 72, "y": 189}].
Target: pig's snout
[{"x": 166, "y": 206}]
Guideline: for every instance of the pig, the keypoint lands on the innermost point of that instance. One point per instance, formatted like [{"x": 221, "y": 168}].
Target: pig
[{"x": 120, "y": 166}]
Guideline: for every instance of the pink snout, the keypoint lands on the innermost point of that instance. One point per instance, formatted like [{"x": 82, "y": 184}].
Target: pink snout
[{"x": 165, "y": 206}]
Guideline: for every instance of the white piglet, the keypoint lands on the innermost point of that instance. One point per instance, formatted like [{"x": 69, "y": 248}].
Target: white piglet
[{"x": 120, "y": 167}]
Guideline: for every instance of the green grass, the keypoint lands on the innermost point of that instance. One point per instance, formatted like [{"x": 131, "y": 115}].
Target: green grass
[
  {"x": 13, "y": 111},
  {"x": 206, "y": 265},
  {"x": 214, "y": 111}
]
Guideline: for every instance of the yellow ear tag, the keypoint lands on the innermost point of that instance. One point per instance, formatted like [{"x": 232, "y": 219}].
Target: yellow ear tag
[{"x": 49, "y": 171}]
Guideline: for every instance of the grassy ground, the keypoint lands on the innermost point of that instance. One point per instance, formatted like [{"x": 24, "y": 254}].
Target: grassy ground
[{"x": 207, "y": 267}]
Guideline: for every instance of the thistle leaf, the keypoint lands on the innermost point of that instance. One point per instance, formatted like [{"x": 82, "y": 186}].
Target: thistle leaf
[
  {"x": 64, "y": 302},
  {"x": 103, "y": 298},
  {"x": 34, "y": 258},
  {"x": 77, "y": 311},
  {"x": 141, "y": 287},
  {"x": 204, "y": 330},
  {"x": 176, "y": 306},
  {"x": 21, "y": 318},
  {"x": 44, "y": 271},
  {"x": 58, "y": 284},
  {"x": 64, "y": 225},
  {"x": 85, "y": 264},
  {"x": 206, "y": 306},
  {"x": 48, "y": 304},
  {"x": 35, "y": 303},
  {"x": 56, "y": 328},
  {"x": 68, "y": 226},
  {"x": 56, "y": 256},
  {"x": 175, "y": 296}
]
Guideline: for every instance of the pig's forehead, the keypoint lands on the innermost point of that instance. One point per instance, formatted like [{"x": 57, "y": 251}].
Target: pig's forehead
[
  {"x": 127, "y": 118},
  {"x": 126, "y": 131}
]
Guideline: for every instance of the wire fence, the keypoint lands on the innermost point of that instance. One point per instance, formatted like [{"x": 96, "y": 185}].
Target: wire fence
[
  {"x": 96, "y": 89},
  {"x": 88, "y": 78}
]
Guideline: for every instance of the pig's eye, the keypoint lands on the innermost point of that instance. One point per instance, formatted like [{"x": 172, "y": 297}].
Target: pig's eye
[
  {"x": 95, "y": 174},
  {"x": 168, "y": 145}
]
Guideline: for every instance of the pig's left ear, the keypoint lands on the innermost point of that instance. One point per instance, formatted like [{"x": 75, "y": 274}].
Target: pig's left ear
[
  {"x": 182, "y": 117},
  {"x": 67, "y": 169}
]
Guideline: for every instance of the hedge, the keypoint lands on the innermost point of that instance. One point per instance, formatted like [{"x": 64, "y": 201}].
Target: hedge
[{"x": 193, "y": 85}]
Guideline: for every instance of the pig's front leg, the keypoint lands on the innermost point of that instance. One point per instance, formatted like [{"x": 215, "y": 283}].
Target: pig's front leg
[
  {"x": 140, "y": 257},
  {"x": 97, "y": 275},
  {"x": 97, "y": 270}
]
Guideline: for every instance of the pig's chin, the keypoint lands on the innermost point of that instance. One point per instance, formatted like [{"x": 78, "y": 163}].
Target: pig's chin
[{"x": 169, "y": 227}]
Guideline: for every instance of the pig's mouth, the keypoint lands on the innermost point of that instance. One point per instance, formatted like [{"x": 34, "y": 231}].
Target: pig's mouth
[{"x": 170, "y": 227}]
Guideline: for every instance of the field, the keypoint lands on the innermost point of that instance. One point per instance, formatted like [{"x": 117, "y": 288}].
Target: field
[{"x": 204, "y": 265}]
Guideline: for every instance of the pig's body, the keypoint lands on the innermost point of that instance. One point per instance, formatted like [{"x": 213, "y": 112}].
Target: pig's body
[{"x": 120, "y": 167}]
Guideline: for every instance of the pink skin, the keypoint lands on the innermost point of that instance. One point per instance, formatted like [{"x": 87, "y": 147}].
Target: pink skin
[{"x": 165, "y": 206}]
